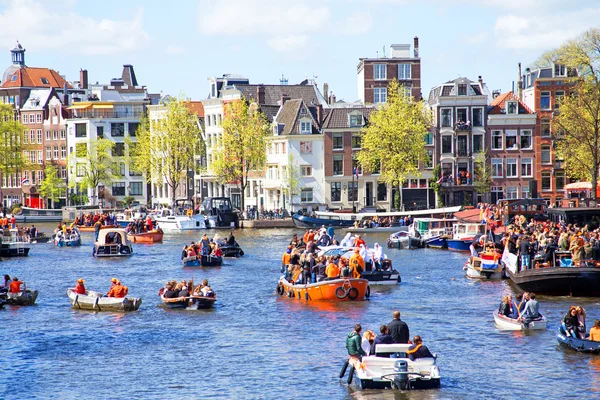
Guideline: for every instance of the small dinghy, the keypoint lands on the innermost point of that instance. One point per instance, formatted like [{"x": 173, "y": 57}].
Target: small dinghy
[
  {"x": 24, "y": 298},
  {"x": 342, "y": 289},
  {"x": 96, "y": 301},
  {"x": 153, "y": 236},
  {"x": 510, "y": 324},
  {"x": 580, "y": 345},
  {"x": 202, "y": 261},
  {"x": 70, "y": 240},
  {"x": 112, "y": 243},
  {"x": 190, "y": 302},
  {"x": 486, "y": 266},
  {"x": 232, "y": 250}
]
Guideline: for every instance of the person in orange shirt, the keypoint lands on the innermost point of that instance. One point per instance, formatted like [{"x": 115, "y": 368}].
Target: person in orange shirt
[
  {"x": 332, "y": 271},
  {"x": 595, "y": 331},
  {"x": 285, "y": 259},
  {"x": 118, "y": 290},
  {"x": 15, "y": 285},
  {"x": 311, "y": 236},
  {"x": 359, "y": 241},
  {"x": 305, "y": 237},
  {"x": 80, "y": 287},
  {"x": 357, "y": 264}
]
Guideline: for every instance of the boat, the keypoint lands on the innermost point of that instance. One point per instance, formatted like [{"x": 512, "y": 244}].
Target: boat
[
  {"x": 28, "y": 214},
  {"x": 97, "y": 301},
  {"x": 85, "y": 228},
  {"x": 433, "y": 231},
  {"x": 510, "y": 324},
  {"x": 202, "y": 261},
  {"x": 112, "y": 243},
  {"x": 231, "y": 250},
  {"x": 131, "y": 215},
  {"x": 179, "y": 223},
  {"x": 387, "y": 275},
  {"x": 463, "y": 234},
  {"x": 384, "y": 229},
  {"x": 40, "y": 237},
  {"x": 334, "y": 219},
  {"x": 580, "y": 345},
  {"x": 218, "y": 212},
  {"x": 153, "y": 236},
  {"x": 189, "y": 302},
  {"x": 403, "y": 239},
  {"x": 72, "y": 240},
  {"x": 556, "y": 279},
  {"x": 486, "y": 266},
  {"x": 14, "y": 244},
  {"x": 379, "y": 371},
  {"x": 343, "y": 289},
  {"x": 25, "y": 297}
]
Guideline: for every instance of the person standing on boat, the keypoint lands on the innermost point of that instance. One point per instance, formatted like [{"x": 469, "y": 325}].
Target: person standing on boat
[
  {"x": 359, "y": 241},
  {"x": 231, "y": 239},
  {"x": 353, "y": 343},
  {"x": 205, "y": 243},
  {"x": 581, "y": 328},
  {"x": 524, "y": 250},
  {"x": 418, "y": 350},
  {"x": 398, "y": 329},
  {"x": 97, "y": 226},
  {"x": 149, "y": 225},
  {"x": 531, "y": 310},
  {"x": 377, "y": 256},
  {"x": 357, "y": 264},
  {"x": 331, "y": 232},
  {"x": 80, "y": 287}
]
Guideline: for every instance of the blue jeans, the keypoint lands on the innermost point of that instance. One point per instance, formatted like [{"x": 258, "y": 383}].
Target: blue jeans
[{"x": 525, "y": 261}]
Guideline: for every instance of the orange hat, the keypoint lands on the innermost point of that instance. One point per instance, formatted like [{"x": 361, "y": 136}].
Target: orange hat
[
  {"x": 114, "y": 280},
  {"x": 80, "y": 280}
]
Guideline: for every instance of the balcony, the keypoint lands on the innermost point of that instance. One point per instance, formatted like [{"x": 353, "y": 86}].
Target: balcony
[
  {"x": 463, "y": 127},
  {"x": 103, "y": 114},
  {"x": 462, "y": 153}
]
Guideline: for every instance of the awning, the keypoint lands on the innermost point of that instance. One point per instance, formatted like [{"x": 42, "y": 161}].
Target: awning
[
  {"x": 579, "y": 186},
  {"x": 103, "y": 106},
  {"x": 79, "y": 106}
]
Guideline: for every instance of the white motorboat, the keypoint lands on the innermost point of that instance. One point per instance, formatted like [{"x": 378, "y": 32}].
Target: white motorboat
[
  {"x": 96, "y": 301},
  {"x": 13, "y": 243},
  {"x": 112, "y": 242},
  {"x": 382, "y": 372},
  {"x": 509, "y": 324},
  {"x": 179, "y": 223},
  {"x": 486, "y": 266},
  {"x": 404, "y": 239}
]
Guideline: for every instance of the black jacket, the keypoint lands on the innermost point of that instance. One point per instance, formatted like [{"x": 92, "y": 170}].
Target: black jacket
[
  {"x": 399, "y": 331},
  {"x": 422, "y": 352},
  {"x": 381, "y": 339}
]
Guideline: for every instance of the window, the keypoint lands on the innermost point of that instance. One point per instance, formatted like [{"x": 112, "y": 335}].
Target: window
[
  {"x": 511, "y": 140},
  {"x": 80, "y": 149},
  {"x": 356, "y": 140},
  {"x": 381, "y": 191},
  {"x": 100, "y": 132},
  {"x": 511, "y": 168},
  {"x": 477, "y": 143},
  {"x": 525, "y": 192},
  {"x": 356, "y": 120},
  {"x": 379, "y": 71},
  {"x": 80, "y": 170},
  {"x": 545, "y": 127},
  {"x": 305, "y": 127},
  {"x": 379, "y": 95},
  {"x": 428, "y": 164},
  {"x": 136, "y": 188},
  {"x": 40, "y": 136},
  {"x": 462, "y": 90},
  {"x": 117, "y": 129},
  {"x": 512, "y": 192},
  {"x": 54, "y": 135},
  {"x": 512, "y": 107},
  {"x": 446, "y": 144},
  {"x": 496, "y": 140},
  {"x": 40, "y": 157},
  {"x": 546, "y": 159},
  {"x": 305, "y": 147},
  {"x": 63, "y": 152},
  {"x": 283, "y": 146},
  {"x": 63, "y": 134},
  {"x": 338, "y": 141},
  {"x": 559, "y": 96},
  {"x": 25, "y": 137},
  {"x": 132, "y": 127},
  {"x": 80, "y": 130},
  {"x": 560, "y": 70},
  {"x": 352, "y": 191},
  {"x": 25, "y": 119},
  {"x": 122, "y": 169},
  {"x": 545, "y": 100},
  {"x": 33, "y": 178},
  {"x": 336, "y": 191},
  {"x": 497, "y": 168},
  {"x": 338, "y": 164},
  {"x": 526, "y": 142},
  {"x": 526, "y": 167},
  {"x": 48, "y": 153},
  {"x": 429, "y": 139},
  {"x": 32, "y": 136},
  {"x": 306, "y": 170},
  {"x": 306, "y": 195},
  {"x": 461, "y": 115},
  {"x": 546, "y": 181},
  {"x": 47, "y": 135},
  {"x": 356, "y": 166},
  {"x": 477, "y": 117},
  {"x": 31, "y": 118},
  {"x": 118, "y": 189},
  {"x": 132, "y": 170},
  {"x": 446, "y": 117},
  {"x": 403, "y": 71},
  {"x": 38, "y": 117},
  {"x": 560, "y": 180},
  {"x": 119, "y": 149},
  {"x": 55, "y": 152}
]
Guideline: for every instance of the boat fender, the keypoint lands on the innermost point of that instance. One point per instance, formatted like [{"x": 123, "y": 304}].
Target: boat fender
[
  {"x": 351, "y": 374},
  {"x": 76, "y": 302},
  {"x": 241, "y": 253},
  {"x": 352, "y": 293},
  {"x": 280, "y": 290},
  {"x": 306, "y": 295},
  {"x": 368, "y": 293},
  {"x": 290, "y": 294},
  {"x": 341, "y": 293},
  {"x": 343, "y": 371}
]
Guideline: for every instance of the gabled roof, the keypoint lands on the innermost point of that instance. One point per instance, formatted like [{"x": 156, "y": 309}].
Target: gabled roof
[
  {"x": 35, "y": 77},
  {"x": 38, "y": 98},
  {"x": 498, "y": 105},
  {"x": 338, "y": 117},
  {"x": 309, "y": 93},
  {"x": 195, "y": 107},
  {"x": 290, "y": 115},
  {"x": 270, "y": 111}
]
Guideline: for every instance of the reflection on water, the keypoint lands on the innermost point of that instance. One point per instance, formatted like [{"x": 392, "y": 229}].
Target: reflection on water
[{"x": 255, "y": 344}]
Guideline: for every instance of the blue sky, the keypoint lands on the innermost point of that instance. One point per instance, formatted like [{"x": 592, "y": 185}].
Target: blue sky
[{"x": 175, "y": 46}]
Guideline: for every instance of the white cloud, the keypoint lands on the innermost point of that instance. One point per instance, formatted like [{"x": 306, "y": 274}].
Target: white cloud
[
  {"x": 357, "y": 23},
  {"x": 39, "y": 26},
  {"x": 477, "y": 38},
  {"x": 174, "y": 50}
]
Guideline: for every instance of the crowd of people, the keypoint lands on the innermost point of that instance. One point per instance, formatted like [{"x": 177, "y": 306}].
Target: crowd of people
[
  {"x": 174, "y": 289},
  {"x": 573, "y": 324},
  {"x": 396, "y": 331},
  {"x": 140, "y": 226},
  {"x": 204, "y": 247},
  {"x": 383, "y": 222}
]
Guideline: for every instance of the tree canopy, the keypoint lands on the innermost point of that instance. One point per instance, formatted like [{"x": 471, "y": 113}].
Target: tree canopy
[
  {"x": 242, "y": 147},
  {"x": 394, "y": 138},
  {"x": 12, "y": 160},
  {"x": 52, "y": 187},
  {"x": 96, "y": 164}
]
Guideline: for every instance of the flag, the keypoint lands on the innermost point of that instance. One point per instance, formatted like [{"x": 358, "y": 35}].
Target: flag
[
  {"x": 441, "y": 178},
  {"x": 24, "y": 181},
  {"x": 488, "y": 261},
  {"x": 356, "y": 172}
]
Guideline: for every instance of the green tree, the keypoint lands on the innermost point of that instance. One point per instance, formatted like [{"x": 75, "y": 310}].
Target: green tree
[
  {"x": 95, "y": 163},
  {"x": 482, "y": 179},
  {"x": 242, "y": 147},
  {"x": 577, "y": 121},
  {"x": 166, "y": 147},
  {"x": 12, "y": 160},
  {"x": 291, "y": 180},
  {"x": 52, "y": 187},
  {"x": 395, "y": 138}
]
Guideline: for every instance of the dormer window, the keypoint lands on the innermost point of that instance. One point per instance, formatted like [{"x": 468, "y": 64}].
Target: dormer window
[
  {"x": 512, "y": 107},
  {"x": 303, "y": 111},
  {"x": 44, "y": 81},
  {"x": 462, "y": 89},
  {"x": 560, "y": 70},
  {"x": 276, "y": 130},
  {"x": 356, "y": 120},
  {"x": 305, "y": 127}
]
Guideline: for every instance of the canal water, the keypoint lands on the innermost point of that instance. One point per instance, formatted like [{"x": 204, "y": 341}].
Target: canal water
[{"x": 256, "y": 345}]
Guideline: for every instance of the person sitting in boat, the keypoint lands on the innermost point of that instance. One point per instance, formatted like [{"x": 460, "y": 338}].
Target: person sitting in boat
[
  {"x": 595, "y": 332},
  {"x": 332, "y": 271},
  {"x": 377, "y": 256},
  {"x": 357, "y": 264},
  {"x": 506, "y": 307},
  {"x": 231, "y": 239},
  {"x": 206, "y": 289},
  {"x": 359, "y": 241},
  {"x": 80, "y": 287},
  {"x": 169, "y": 292},
  {"x": 570, "y": 322},
  {"x": 383, "y": 338},
  {"x": 531, "y": 310},
  {"x": 191, "y": 252},
  {"x": 353, "y": 343},
  {"x": 6, "y": 282},
  {"x": 217, "y": 252},
  {"x": 581, "y": 328},
  {"x": 324, "y": 240},
  {"x": 118, "y": 290},
  {"x": 184, "y": 292},
  {"x": 14, "y": 288},
  {"x": 368, "y": 338},
  {"x": 296, "y": 275},
  {"x": 418, "y": 350},
  {"x": 149, "y": 224},
  {"x": 347, "y": 241}
]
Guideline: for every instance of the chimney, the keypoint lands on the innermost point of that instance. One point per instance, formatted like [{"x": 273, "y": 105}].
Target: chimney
[
  {"x": 333, "y": 98},
  {"x": 260, "y": 94},
  {"x": 65, "y": 96},
  {"x": 520, "y": 85},
  {"x": 83, "y": 78},
  {"x": 128, "y": 75},
  {"x": 319, "y": 114},
  {"x": 326, "y": 91},
  {"x": 416, "y": 46},
  {"x": 480, "y": 81},
  {"x": 284, "y": 98}
]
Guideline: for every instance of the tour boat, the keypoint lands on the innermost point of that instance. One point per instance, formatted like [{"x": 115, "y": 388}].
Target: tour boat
[
  {"x": 85, "y": 228},
  {"x": 28, "y": 214},
  {"x": 202, "y": 261},
  {"x": 25, "y": 297},
  {"x": 379, "y": 371},
  {"x": 96, "y": 301},
  {"x": 463, "y": 234},
  {"x": 510, "y": 324},
  {"x": 153, "y": 236},
  {"x": 72, "y": 240},
  {"x": 112, "y": 243},
  {"x": 486, "y": 266},
  {"x": 343, "y": 289},
  {"x": 190, "y": 302},
  {"x": 580, "y": 345},
  {"x": 14, "y": 244}
]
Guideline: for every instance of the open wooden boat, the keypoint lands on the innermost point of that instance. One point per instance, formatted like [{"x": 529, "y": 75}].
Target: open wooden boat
[
  {"x": 510, "y": 324},
  {"x": 202, "y": 261},
  {"x": 96, "y": 301},
  {"x": 24, "y": 298},
  {"x": 190, "y": 302},
  {"x": 153, "y": 236},
  {"x": 580, "y": 345},
  {"x": 345, "y": 289},
  {"x": 84, "y": 228}
]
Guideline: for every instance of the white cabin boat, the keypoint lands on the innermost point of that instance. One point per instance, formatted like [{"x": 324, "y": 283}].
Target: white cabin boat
[
  {"x": 112, "y": 242},
  {"x": 509, "y": 324}
]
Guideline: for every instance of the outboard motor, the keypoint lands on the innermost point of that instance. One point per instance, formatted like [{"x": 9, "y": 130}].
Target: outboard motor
[{"x": 401, "y": 380}]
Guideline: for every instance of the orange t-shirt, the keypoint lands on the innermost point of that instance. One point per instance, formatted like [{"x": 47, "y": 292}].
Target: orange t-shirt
[
  {"x": 358, "y": 242},
  {"x": 286, "y": 258},
  {"x": 15, "y": 286},
  {"x": 118, "y": 291},
  {"x": 332, "y": 271}
]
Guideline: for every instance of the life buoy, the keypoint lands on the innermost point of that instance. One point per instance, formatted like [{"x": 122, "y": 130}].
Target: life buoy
[
  {"x": 353, "y": 293},
  {"x": 280, "y": 290},
  {"x": 341, "y": 293},
  {"x": 368, "y": 293}
]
